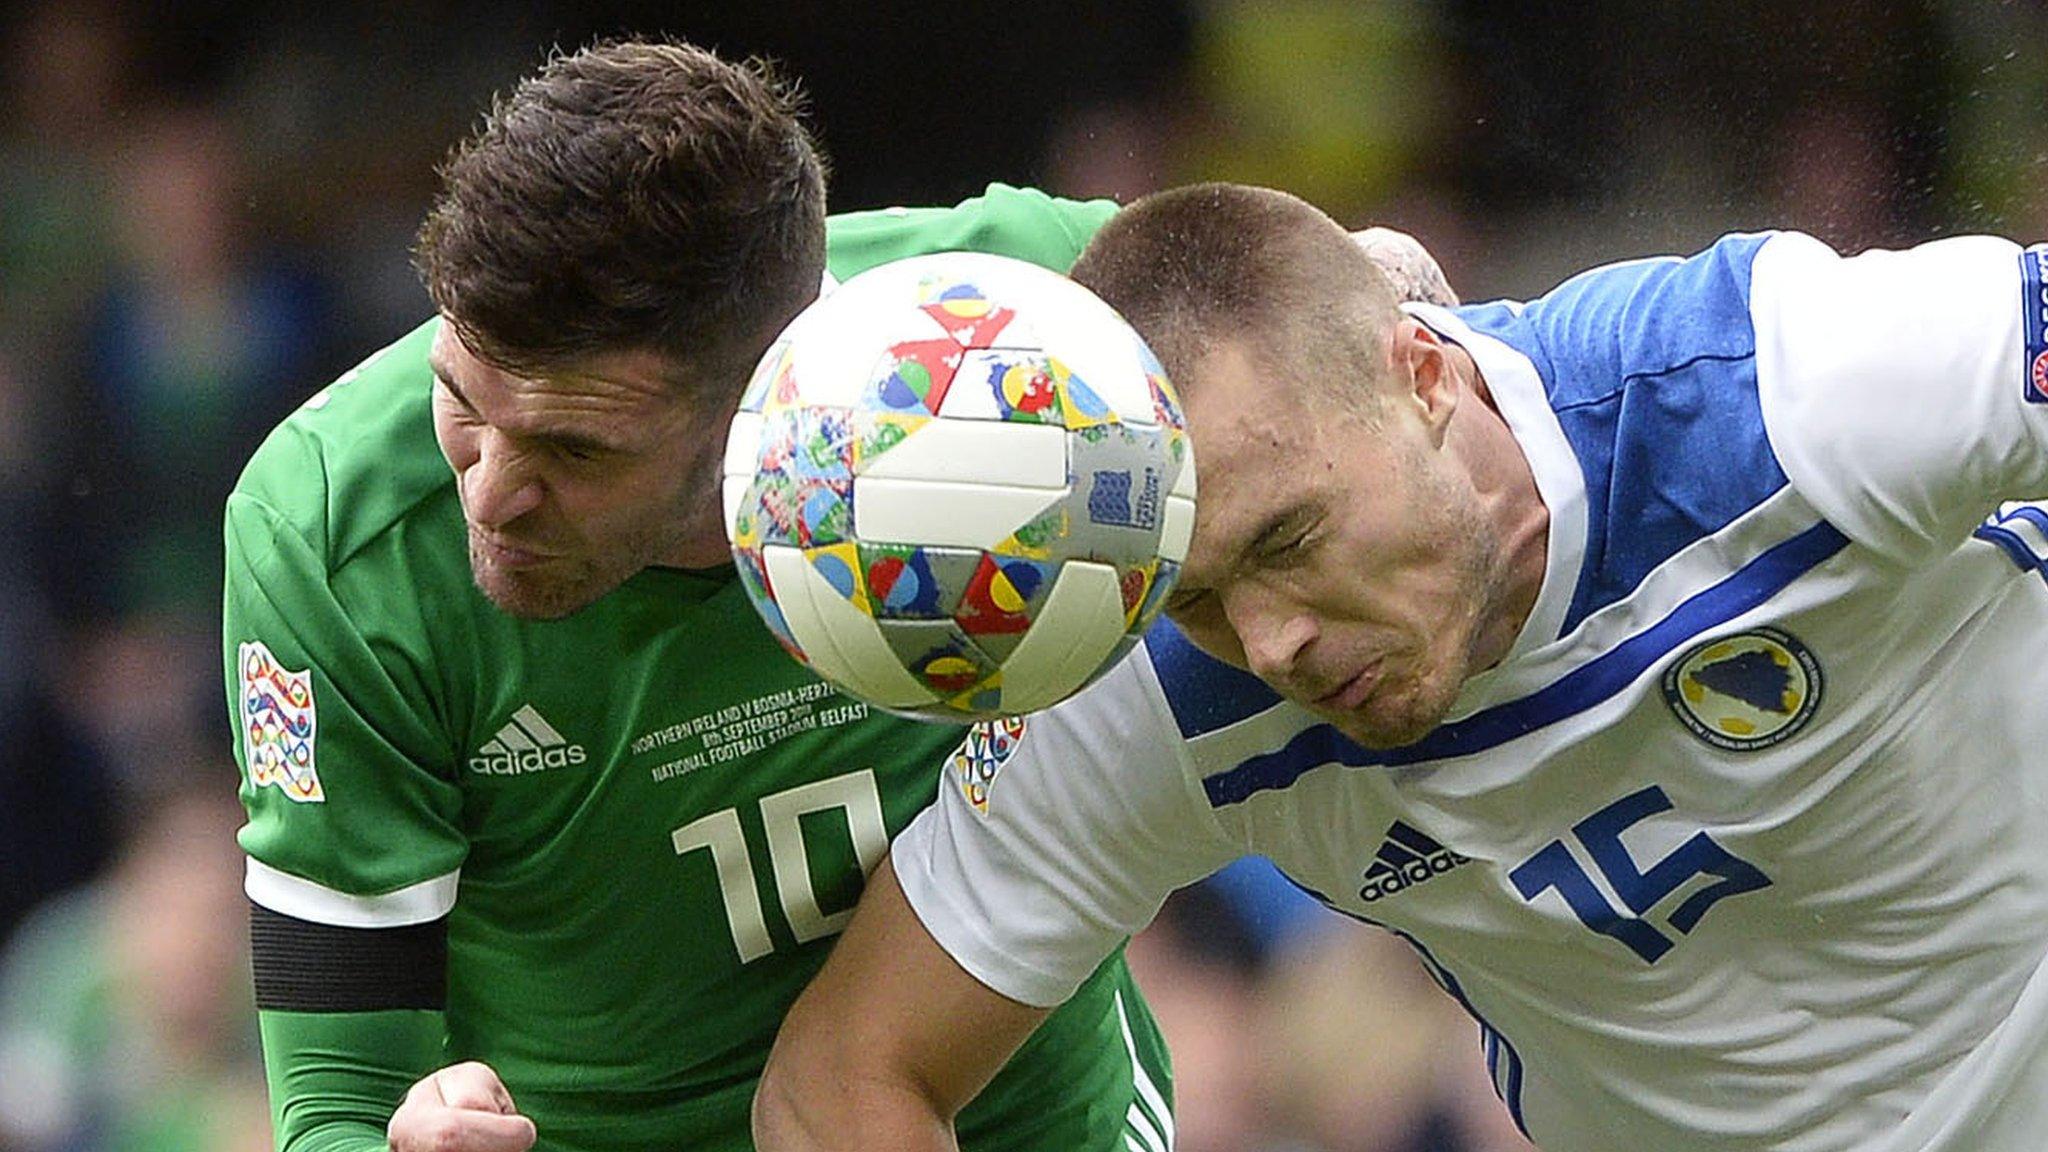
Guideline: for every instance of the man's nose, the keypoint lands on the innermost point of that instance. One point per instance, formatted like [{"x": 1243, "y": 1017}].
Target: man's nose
[
  {"x": 1272, "y": 631},
  {"x": 500, "y": 486}
]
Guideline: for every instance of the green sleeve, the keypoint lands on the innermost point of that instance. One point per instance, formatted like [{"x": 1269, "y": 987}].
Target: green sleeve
[
  {"x": 346, "y": 778},
  {"x": 336, "y": 1077},
  {"x": 1020, "y": 222}
]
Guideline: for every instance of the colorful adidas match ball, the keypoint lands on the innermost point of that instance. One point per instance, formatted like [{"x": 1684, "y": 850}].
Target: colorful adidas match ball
[{"x": 959, "y": 487}]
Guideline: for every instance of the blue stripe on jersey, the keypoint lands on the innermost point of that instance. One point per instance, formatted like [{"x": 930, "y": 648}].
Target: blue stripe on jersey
[
  {"x": 1503, "y": 1063},
  {"x": 1204, "y": 693},
  {"x": 2015, "y": 547},
  {"x": 2023, "y": 553},
  {"x": 1651, "y": 368},
  {"x": 2034, "y": 318},
  {"x": 1576, "y": 691}
]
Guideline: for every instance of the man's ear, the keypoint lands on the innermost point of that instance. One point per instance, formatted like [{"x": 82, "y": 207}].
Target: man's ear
[{"x": 1422, "y": 374}]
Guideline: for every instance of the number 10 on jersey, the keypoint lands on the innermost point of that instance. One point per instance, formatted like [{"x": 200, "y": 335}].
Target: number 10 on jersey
[{"x": 782, "y": 813}]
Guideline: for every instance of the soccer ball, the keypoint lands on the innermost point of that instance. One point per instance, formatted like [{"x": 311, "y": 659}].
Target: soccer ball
[{"x": 959, "y": 487}]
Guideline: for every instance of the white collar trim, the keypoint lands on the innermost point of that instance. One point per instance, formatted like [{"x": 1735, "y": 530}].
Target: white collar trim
[{"x": 1524, "y": 403}]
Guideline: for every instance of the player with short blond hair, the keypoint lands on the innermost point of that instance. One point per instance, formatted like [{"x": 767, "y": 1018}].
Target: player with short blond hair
[{"x": 1660, "y": 658}]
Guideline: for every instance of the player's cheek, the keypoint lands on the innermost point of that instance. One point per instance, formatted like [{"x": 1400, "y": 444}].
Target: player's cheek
[
  {"x": 1209, "y": 628},
  {"x": 458, "y": 442}
]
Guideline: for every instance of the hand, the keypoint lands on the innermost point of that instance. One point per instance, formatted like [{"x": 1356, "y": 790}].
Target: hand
[
  {"x": 1408, "y": 265},
  {"x": 460, "y": 1108}
]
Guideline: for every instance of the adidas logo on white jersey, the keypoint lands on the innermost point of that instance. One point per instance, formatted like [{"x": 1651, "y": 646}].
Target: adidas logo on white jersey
[
  {"x": 1407, "y": 857},
  {"x": 527, "y": 743}
]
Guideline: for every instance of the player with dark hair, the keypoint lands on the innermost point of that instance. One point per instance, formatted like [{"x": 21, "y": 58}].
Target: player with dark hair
[
  {"x": 545, "y": 832},
  {"x": 1660, "y": 658}
]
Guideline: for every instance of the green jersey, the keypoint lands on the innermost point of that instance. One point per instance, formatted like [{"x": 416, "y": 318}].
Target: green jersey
[{"x": 639, "y": 827}]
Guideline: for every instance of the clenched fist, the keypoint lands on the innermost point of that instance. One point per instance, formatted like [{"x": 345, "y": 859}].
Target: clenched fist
[{"x": 460, "y": 1108}]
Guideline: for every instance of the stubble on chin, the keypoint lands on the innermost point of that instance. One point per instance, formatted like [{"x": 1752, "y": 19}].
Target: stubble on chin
[
  {"x": 565, "y": 587},
  {"x": 1398, "y": 732},
  {"x": 1403, "y": 713},
  {"x": 533, "y": 595},
  {"x": 1420, "y": 703}
]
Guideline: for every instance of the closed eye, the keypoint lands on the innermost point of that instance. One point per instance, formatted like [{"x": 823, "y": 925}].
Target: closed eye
[{"x": 1290, "y": 546}]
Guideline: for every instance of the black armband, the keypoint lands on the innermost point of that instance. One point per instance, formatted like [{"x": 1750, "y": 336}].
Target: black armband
[{"x": 302, "y": 966}]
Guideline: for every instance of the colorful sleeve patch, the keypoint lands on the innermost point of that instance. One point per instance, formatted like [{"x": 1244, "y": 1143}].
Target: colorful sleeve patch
[
  {"x": 975, "y": 763},
  {"x": 278, "y": 724},
  {"x": 2034, "y": 314}
]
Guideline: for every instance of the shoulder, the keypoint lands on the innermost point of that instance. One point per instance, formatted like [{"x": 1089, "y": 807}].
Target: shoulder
[
  {"x": 1023, "y": 223},
  {"x": 1609, "y": 327},
  {"x": 355, "y": 459},
  {"x": 1807, "y": 294}
]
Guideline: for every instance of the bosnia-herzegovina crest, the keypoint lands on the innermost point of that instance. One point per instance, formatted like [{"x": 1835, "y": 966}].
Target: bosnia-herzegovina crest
[
  {"x": 1746, "y": 691},
  {"x": 278, "y": 724}
]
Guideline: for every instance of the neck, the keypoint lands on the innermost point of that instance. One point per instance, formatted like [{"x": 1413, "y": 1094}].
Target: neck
[{"x": 1521, "y": 521}]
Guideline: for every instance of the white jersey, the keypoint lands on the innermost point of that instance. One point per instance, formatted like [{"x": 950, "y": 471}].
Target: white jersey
[{"x": 1745, "y": 844}]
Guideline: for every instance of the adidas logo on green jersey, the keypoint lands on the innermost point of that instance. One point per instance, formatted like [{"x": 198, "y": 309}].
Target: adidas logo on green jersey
[{"x": 527, "y": 743}]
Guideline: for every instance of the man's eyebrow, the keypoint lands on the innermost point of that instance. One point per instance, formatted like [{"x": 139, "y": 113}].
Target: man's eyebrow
[
  {"x": 1185, "y": 593},
  {"x": 447, "y": 380},
  {"x": 1277, "y": 523},
  {"x": 1274, "y": 525},
  {"x": 569, "y": 438},
  {"x": 578, "y": 442}
]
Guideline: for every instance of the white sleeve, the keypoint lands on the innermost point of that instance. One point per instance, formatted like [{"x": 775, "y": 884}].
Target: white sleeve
[
  {"x": 1057, "y": 836},
  {"x": 1906, "y": 393}
]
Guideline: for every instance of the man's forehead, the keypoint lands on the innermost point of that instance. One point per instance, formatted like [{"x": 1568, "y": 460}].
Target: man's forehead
[
  {"x": 1249, "y": 439},
  {"x": 1247, "y": 485},
  {"x": 1246, "y": 421},
  {"x": 618, "y": 377},
  {"x": 440, "y": 351}
]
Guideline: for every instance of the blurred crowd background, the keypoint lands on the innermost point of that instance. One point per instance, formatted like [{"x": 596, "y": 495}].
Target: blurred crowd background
[{"x": 206, "y": 210}]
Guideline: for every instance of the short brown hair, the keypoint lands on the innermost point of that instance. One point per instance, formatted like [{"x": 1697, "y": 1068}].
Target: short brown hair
[
  {"x": 1191, "y": 267},
  {"x": 633, "y": 195}
]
